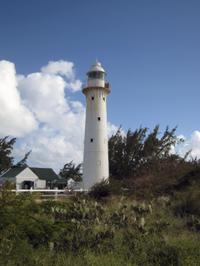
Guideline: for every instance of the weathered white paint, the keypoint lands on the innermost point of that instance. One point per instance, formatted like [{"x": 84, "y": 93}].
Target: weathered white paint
[
  {"x": 28, "y": 175},
  {"x": 95, "y": 164},
  {"x": 70, "y": 183},
  {"x": 25, "y": 175},
  {"x": 96, "y": 83},
  {"x": 48, "y": 190},
  {"x": 40, "y": 183}
]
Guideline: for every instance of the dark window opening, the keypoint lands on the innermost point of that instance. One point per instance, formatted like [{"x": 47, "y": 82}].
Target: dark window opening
[
  {"x": 104, "y": 98},
  {"x": 96, "y": 75},
  {"x": 27, "y": 184},
  {"x": 99, "y": 118},
  {"x": 91, "y": 140},
  {"x": 92, "y": 98}
]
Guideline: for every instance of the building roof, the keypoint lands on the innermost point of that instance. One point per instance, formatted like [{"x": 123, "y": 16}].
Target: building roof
[
  {"x": 61, "y": 181},
  {"x": 96, "y": 67},
  {"x": 13, "y": 171},
  {"x": 43, "y": 173}
]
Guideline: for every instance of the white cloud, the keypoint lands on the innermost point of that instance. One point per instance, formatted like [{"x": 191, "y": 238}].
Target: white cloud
[
  {"x": 66, "y": 70},
  {"x": 112, "y": 129},
  {"x": 192, "y": 143},
  {"x": 44, "y": 95},
  {"x": 39, "y": 111},
  {"x": 75, "y": 85},
  {"x": 15, "y": 118},
  {"x": 62, "y": 68}
]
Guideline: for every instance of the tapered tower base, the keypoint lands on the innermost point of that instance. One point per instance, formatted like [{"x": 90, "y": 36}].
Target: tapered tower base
[{"x": 95, "y": 164}]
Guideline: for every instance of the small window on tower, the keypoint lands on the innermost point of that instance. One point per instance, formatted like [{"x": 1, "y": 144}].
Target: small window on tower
[
  {"x": 91, "y": 140},
  {"x": 92, "y": 98},
  {"x": 104, "y": 98},
  {"x": 99, "y": 118}
]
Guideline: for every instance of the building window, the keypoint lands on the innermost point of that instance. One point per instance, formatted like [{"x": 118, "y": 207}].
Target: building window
[
  {"x": 104, "y": 98},
  {"x": 91, "y": 140},
  {"x": 99, "y": 118},
  {"x": 92, "y": 98}
]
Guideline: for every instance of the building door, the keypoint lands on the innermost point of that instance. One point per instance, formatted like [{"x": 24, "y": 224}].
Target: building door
[{"x": 27, "y": 184}]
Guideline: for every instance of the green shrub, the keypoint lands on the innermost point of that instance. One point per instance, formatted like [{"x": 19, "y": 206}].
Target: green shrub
[
  {"x": 187, "y": 203},
  {"x": 163, "y": 254},
  {"x": 82, "y": 231},
  {"x": 100, "y": 190}
]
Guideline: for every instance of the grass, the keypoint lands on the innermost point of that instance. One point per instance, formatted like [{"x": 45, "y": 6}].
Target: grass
[{"x": 118, "y": 230}]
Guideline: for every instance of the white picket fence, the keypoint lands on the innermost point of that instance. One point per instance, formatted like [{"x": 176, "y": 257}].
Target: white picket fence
[{"x": 50, "y": 192}]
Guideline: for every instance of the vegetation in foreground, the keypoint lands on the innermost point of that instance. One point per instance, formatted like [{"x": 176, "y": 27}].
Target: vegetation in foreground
[
  {"x": 116, "y": 230},
  {"x": 149, "y": 213}
]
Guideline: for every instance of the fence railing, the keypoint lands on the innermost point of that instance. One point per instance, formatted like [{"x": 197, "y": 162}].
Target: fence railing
[{"x": 51, "y": 192}]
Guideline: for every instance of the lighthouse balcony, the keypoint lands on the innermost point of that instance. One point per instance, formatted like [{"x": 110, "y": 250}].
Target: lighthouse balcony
[
  {"x": 87, "y": 87},
  {"x": 107, "y": 85}
]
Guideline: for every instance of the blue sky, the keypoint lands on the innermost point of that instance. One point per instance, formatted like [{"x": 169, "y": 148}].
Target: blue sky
[{"x": 150, "y": 49}]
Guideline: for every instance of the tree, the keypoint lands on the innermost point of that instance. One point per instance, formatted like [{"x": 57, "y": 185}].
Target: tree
[
  {"x": 22, "y": 162},
  {"x": 125, "y": 152},
  {"x": 70, "y": 170},
  {"x": 6, "y": 147},
  {"x": 138, "y": 151}
]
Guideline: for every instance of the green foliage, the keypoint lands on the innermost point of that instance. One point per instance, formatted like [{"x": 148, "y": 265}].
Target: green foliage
[
  {"x": 141, "y": 164},
  {"x": 100, "y": 190},
  {"x": 138, "y": 151},
  {"x": 6, "y": 147},
  {"x": 187, "y": 203},
  {"x": 81, "y": 231},
  {"x": 70, "y": 170},
  {"x": 151, "y": 215}
]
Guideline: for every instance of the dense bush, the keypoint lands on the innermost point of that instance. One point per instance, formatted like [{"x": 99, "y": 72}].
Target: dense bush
[
  {"x": 148, "y": 214},
  {"x": 139, "y": 151},
  {"x": 100, "y": 190},
  {"x": 81, "y": 231},
  {"x": 188, "y": 203}
]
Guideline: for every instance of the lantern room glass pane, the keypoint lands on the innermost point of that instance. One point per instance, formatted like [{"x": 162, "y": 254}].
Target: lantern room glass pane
[{"x": 96, "y": 75}]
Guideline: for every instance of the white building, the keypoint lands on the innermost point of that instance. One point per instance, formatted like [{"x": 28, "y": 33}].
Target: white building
[
  {"x": 95, "y": 164},
  {"x": 72, "y": 184},
  {"x": 30, "y": 177}
]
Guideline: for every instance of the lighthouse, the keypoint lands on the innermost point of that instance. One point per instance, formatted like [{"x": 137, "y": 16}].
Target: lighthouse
[{"x": 95, "y": 161}]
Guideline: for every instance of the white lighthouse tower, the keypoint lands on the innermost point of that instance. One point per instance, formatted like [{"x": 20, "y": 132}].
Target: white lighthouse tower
[{"x": 95, "y": 163}]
